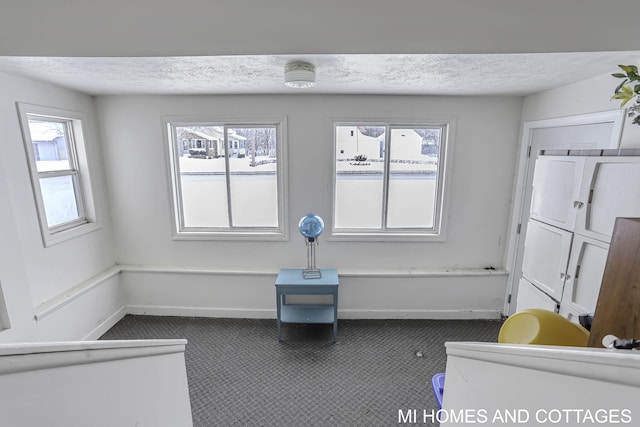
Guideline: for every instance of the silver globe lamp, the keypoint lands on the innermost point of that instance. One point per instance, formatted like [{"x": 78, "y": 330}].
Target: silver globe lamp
[{"x": 311, "y": 226}]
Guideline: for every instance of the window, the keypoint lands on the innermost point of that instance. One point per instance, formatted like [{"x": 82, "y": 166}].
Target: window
[
  {"x": 233, "y": 188},
  {"x": 56, "y": 153},
  {"x": 4, "y": 316},
  {"x": 389, "y": 179}
]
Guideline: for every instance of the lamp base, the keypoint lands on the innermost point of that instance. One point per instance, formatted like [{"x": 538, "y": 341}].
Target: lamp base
[{"x": 311, "y": 273}]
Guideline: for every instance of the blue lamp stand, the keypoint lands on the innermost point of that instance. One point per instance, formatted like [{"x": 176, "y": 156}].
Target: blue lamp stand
[{"x": 311, "y": 272}]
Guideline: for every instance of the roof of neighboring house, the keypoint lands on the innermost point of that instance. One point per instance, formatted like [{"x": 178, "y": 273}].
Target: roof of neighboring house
[
  {"x": 216, "y": 132},
  {"x": 43, "y": 132}
]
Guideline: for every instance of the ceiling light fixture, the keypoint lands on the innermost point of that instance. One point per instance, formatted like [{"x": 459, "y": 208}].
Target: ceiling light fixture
[{"x": 300, "y": 74}]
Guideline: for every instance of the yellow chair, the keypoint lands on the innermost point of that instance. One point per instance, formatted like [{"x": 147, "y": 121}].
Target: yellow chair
[{"x": 543, "y": 327}]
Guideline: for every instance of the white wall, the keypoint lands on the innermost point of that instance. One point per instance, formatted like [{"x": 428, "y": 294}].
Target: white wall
[
  {"x": 540, "y": 385},
  {"x": 99, "y": 384},
  {"x": 484, "y": 154},
  {"x": 32, "y": 275},
  {"x": 201, "y": 27},
  {"x": 413, "y": 279},
  {"x": 583, "y": 97}
]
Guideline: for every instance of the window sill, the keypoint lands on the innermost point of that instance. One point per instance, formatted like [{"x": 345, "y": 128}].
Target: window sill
[
  {"x": 386, "y": 237},
  {"x": 246, "y": 236},
  {"x": 51, "y": 239}
]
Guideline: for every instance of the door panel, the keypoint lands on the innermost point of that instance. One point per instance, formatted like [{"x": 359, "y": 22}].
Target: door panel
[
  {"x": 546, "y": 254},
  {"x": 611, "y": 189},
  {"x": 531, "y": 297},
  {"x": 584, "y": 274},
  {"x": 556, "y": 188}
]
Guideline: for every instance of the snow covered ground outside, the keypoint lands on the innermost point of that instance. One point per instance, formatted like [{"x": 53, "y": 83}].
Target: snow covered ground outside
[{"x": 412, "y": 194}]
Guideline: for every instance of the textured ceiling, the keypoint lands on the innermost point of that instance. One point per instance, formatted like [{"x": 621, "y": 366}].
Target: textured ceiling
[{"x": 431, "y": 74}]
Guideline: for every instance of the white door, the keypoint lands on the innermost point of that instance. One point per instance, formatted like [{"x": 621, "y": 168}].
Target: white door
[
  {"x": 584, "y": 274},
  {"x": 531, "y": 297},
  {"x": 556, "y": 190},
  {"x": 546, "y": 254},
  {"x": 586, "y": 131},
  {"x": 611, "y": 189}
]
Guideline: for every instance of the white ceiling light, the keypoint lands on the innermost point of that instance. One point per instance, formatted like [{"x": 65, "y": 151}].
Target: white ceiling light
[{"x": 300, "y": 74}]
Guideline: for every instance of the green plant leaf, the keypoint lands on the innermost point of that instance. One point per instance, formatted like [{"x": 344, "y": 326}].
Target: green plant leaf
[
  {"x": 620, "y": 86},
  {"x": 621, "y": 96},
  {"x": 625, "y": 94},
  {"x": 629, "y": 68}
]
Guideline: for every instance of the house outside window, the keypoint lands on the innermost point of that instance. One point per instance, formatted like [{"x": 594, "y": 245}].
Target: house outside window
[
  {"x": 56, "y": 155},
  {"x": 389, "y": 180},
  {"x": 226, "y": 192}
]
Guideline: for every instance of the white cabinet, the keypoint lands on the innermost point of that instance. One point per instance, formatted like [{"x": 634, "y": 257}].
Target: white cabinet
[
  {"x": 556, "y": 190},
  {"x": 529, "y": 296},
  {"x": 610, "y": 189},
  {"x": 546, "y": 254},
  {"x": 584, "y": 274},
  {"x": 575, "y": 202}
]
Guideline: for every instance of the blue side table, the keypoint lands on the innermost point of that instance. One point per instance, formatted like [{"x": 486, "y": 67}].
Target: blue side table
[{"x": 291, "y": 282}]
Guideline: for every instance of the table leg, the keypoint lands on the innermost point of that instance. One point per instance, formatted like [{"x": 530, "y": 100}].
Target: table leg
[
  {"x": 278, "y": 313},
  {"x": 335, "y": 316}
]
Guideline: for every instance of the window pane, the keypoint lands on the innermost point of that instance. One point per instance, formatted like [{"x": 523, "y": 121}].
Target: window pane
[
  {"x": 49, "y": 144},
  {"x": 203, "y": 186},
  {"x": 413, "y": 172},
  {"x": 253, "y": 176},
  {"x": 59, "y": 198},
  {"x": 359, "y": 176}
]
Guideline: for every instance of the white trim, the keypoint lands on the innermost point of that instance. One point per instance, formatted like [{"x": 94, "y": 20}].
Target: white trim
[
  {"x": 243, "y": 313},
  {"x": 75, "y": 353},
  {"x": 107, "y": 324},
  {"x": 471, "y": 272},
  {"x": 408, "y": 273},
  {"x": 54, "y": 304},
  {"x": 445, "y": 171},
  {"x": 189, "y": 271},
  {"x": 421, "y": 314},
  {"x": 5, "y": 322},
  {"x": 232, "y": 235},
  {"x": 58, "y": 302},
  {"x": 78, "y": 150},
  {"x": 612, "y": 116},
  {"x": 191, "y": 308},
  {"x": 280, "y": 233},
  {"x": 614, "y": 366},
  {"x": 519, "y": 194},
  {"x": 234, "y": 313}
]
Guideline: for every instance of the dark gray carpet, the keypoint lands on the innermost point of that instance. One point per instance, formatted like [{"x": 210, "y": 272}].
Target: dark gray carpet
[{"x": 240, "y": 375}]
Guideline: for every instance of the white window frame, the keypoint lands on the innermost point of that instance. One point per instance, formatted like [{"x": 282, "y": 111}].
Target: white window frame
[
  {"x": 438, "y": 232},
  {"x": 75, "y": 123},
  {"x": 180, "y": 232}
]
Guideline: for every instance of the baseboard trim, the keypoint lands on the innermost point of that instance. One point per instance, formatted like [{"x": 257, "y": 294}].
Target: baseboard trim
[
  {"x": 236, "y": 313},
  {"x": 107, "y": 324},
  {"x": 242, "y": 313},
  {"x": 421, "y": 314}
]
